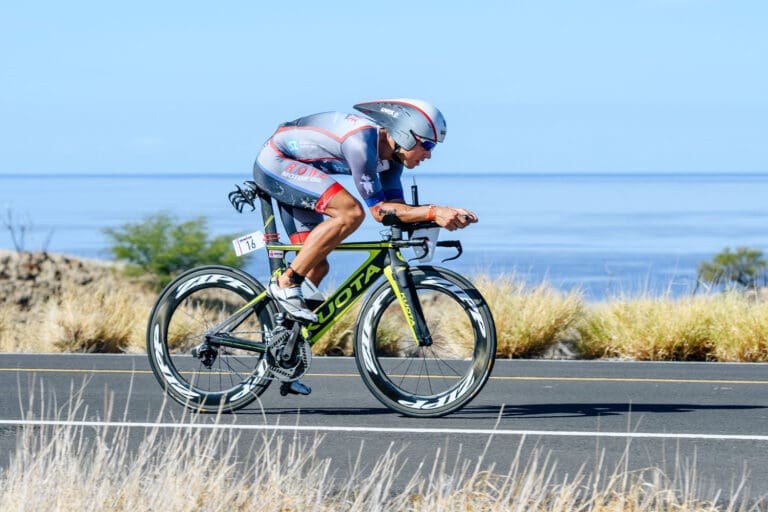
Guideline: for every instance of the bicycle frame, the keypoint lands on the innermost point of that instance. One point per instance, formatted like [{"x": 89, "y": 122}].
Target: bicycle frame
[{"x": 384, "y": 258}]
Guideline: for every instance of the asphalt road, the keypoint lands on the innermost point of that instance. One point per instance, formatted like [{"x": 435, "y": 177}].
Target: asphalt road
[{"x": 714, "y": 416}]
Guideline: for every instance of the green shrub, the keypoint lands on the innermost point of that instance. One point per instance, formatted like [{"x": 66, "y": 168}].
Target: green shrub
[
  {"x": 743, "y": 268},
  {"x": 162, "y": 247}
]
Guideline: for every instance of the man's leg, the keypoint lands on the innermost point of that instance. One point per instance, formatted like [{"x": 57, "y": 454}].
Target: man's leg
[
  {"x": 318, "y": 272},
  {"x": 299, "y": 223},
  {"x": 345, "y": 216}
]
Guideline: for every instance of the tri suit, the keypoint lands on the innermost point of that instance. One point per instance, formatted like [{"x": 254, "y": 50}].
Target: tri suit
[{"x": 295, "y": 167}]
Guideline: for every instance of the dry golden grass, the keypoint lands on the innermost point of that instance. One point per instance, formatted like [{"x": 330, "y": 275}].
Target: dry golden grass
[
  {"x": 106, "y": 316},
  {"x": 337, "y": 340},
  {"x": 21, "y": 333},
  {"x": 6, "y": 328},
  {"x": 528, "y": 319},
  {"x": 724, "y": 327},
  {"x": 110, "y": 315}
]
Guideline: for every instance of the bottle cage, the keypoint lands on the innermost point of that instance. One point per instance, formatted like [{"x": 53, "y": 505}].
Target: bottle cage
[{"x": 240, "y": 197}]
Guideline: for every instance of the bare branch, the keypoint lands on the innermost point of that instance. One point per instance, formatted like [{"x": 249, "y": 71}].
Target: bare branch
[{"x": 17, "y": 228}]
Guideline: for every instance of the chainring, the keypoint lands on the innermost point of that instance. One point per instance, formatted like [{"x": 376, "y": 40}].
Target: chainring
[{"x": 301, "y": 361}]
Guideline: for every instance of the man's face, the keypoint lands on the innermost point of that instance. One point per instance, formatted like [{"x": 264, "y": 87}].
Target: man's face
[{"x": 413, "y": 157}]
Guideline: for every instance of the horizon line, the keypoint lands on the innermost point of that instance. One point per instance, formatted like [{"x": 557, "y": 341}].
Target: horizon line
[{"x": 229, "y": 174}]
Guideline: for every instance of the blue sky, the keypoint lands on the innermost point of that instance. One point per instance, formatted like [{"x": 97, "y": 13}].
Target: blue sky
[{"x": 537, "y": 86}]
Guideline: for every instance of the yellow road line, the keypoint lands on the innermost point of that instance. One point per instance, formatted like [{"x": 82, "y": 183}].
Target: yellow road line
[
  {"x": 637, "y": 379},
  {"x": 510, "y": 378},
  {"x": 69, "y": 370}
]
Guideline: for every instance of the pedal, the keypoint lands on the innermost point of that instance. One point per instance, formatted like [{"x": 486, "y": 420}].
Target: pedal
[{"x": 294, "y": 387}]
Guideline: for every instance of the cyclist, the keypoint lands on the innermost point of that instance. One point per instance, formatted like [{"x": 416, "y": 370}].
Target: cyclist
[{"x": 295, "y": 167}]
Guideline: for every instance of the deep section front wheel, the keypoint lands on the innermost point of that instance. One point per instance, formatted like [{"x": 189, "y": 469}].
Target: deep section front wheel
[
  {"x": 430, "y": 380},
  {"x": 192, "y": 312}
]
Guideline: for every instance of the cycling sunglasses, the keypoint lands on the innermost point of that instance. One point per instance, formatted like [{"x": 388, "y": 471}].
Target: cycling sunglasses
[{"x": 427, "y": 144}]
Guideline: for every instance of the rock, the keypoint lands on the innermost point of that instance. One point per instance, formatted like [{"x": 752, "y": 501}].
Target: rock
[{"x": 562, "y": 350}]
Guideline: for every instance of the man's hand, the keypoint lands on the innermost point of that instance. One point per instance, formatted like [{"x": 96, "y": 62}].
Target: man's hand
[{"x": 454, "y": 218}]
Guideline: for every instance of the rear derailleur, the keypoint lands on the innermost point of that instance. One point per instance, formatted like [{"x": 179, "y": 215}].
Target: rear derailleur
[{"x": 206, "y": 354}]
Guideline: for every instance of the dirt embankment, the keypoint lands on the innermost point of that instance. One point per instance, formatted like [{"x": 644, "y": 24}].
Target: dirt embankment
[
  {"x": 30, "y": 279},
  {"x": 58, "y": 303}
]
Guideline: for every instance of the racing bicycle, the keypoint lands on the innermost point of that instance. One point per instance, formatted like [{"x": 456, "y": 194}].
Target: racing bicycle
[{"x": 424, "y": 340}]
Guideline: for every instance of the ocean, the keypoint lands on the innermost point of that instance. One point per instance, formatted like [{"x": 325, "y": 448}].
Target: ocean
[{"x": 605, "y": 234}]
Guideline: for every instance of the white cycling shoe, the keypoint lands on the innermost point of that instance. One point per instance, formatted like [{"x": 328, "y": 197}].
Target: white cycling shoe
[{"x": 292, "y": 300}]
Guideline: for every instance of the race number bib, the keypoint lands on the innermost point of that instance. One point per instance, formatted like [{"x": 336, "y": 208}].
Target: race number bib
[{"x": 249, "y": 243}]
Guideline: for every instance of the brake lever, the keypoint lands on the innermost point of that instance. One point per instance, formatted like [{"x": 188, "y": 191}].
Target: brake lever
[
  {"x": 456, "y": 244},
  {"x": 424, "y": 241}
]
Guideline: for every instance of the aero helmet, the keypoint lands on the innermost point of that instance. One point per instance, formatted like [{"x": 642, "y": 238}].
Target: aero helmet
[{"x": 404, "y": 118}]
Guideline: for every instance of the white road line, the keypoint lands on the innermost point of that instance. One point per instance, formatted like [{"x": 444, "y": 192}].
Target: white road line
[{"x": 383, "y": 430}]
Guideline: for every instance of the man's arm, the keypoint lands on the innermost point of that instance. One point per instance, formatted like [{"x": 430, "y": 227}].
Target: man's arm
[{"x": 448, "y": 217}]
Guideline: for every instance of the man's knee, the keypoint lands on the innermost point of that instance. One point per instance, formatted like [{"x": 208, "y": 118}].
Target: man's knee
[
  {"x": 356, "y": 216},
  {"x": 346, "y": 208}
]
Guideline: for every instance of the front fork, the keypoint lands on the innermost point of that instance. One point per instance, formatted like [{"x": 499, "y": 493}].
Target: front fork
[{"x": 399, "y": 277}]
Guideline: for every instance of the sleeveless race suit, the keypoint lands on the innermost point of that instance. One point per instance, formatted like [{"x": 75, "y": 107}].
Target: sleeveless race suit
[{"x": 296, "y": 163}]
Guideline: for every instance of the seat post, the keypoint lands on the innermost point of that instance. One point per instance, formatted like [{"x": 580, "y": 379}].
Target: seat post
[{"x": 276, "y": 262}]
